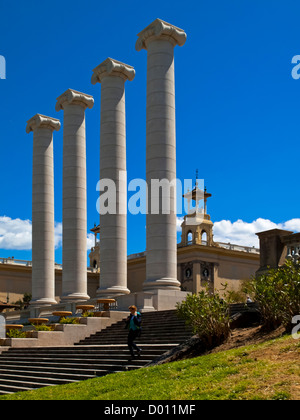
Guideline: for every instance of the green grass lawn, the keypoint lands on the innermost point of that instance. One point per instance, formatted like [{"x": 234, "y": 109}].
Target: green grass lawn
[{"x": 266, "y": 371}]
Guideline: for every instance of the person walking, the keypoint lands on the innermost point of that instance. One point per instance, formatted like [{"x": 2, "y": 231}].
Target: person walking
[{"x": 133, "y": 323}]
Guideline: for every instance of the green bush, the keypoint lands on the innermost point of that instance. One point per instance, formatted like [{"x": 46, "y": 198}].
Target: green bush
[
  {"x": 278, "y": 293},
  {"x": 72, "y": 320},
  {"x": 44, "y": 327},
  {"x": 239, "y": 295},
  {"x": 208, "y": 315},
  {"x": 88, "y": 315},
  {"x": 16, "y": 334}
]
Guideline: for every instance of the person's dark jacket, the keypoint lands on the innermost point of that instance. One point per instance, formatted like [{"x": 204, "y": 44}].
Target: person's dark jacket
[{"x": 137, "y": 319}]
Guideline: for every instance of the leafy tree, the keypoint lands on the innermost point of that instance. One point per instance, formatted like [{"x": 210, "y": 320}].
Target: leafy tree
[
  {"x": 24, "y": 302},
  {"x": 208, "y": 315},
  {"x": 278, "y": 293}
]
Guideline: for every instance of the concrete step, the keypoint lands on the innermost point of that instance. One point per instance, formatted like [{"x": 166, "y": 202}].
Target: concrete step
[
  {"x": 162, "y": 324},
  {"x": 75, "y": 360},
  {"x": 85, "y": 349},
  {"x": 173, "y": 339},
  {"x": 93, "y": 365},
  {"x": 44, "y": 374},
  {"x": 12, "y": 388},
  {"x": 45, "y": 379},
  {"x": 19, "y": 384},
  {"x": 155, "y": 339},
  {"x": 74, "y": 356},
  {"x": 58, "y": 370},
  {"x": 98, "y": 354}
]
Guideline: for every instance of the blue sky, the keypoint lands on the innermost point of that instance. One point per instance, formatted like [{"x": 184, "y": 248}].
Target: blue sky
[{"x": 237, "y": 105}]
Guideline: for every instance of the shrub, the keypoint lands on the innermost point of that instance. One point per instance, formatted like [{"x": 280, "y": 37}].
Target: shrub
[
  {"x": 237, "y": 296},
  {"x": 88, "y": 315},
  {"x": 73, "y": 320},
  {"x": 16, "y": 334},
  {"x": 44, "y": 327},
  {"x": 278, "y": 293},
  {"x": 208, "y": 315}
]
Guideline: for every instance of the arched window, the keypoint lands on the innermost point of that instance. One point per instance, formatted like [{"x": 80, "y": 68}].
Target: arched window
[
  {"x": 190, "y": 237},
  {"x": 204, "y": 237}
]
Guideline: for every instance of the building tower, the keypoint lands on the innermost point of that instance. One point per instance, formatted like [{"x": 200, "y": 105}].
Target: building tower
[
  {"x": 94, "y": 255},
  {"x": 197, "y": 227}
]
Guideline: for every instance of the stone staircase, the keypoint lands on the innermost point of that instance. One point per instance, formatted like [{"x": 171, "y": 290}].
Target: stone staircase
[
  {"x": 105, "y": 352},
  {"x": 157, "y": 328}
]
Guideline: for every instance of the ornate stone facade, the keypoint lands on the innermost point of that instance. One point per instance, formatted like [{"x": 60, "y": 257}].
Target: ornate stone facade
[{"x": 277, "y": 245}]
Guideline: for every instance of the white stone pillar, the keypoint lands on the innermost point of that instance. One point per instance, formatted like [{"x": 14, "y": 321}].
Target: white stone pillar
[
  {"x": 74, "y": 279},
  {"x": 159, "y": 39},
  {"x": 43, "y": 244},
  {"x": 113, "y": 256}
]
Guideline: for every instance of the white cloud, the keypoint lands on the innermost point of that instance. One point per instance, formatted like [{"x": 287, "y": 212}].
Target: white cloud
[
  {"x": 244, "y": 233},
  {"x": 90, "y": 241},
  {"x": 16, "y": 234},
  {"x": 179, "y": 221},
  {"x": 58, "y": 235}
]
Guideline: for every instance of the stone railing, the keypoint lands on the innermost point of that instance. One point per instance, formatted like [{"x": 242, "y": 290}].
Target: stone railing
[
  {"x": 242, "y": 248},
  {"x": 14, "y": 261},
  {"x": 229, "y": 246},
  {"x": 26, "y": 263},
  {"x": 138, "y": 255}
]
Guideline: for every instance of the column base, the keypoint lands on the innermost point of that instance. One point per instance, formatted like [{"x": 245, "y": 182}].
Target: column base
[
  {"x": 158, "y": 300},
  {"x": 42, "y": 302},
  {"x": 163, "y": 283},
  {"x": 166, "y": 299},
  {"x": 142, "y": 300},
  {"x": 74, "y": 297},
  {"x": 112, "y": 292}
]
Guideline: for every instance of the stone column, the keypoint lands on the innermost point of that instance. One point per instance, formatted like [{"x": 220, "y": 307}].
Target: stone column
[
  {"x": 113, "y": 256},
  {"x": 43, "y": 244},
  {"x": 159, "y": 39},
  {"x": 74, "y": 279}
]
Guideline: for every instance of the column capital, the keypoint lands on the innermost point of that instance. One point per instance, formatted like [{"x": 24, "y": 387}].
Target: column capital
[
  {"x": 160, "y": 29},
  {"x": 41, "y": 121},
  {"x": 111, "y": 67},
  {"x": 73, "y": 97}
]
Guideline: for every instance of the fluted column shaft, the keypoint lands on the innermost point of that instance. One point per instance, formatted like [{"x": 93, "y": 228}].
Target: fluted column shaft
[
  {"x": 159, "y": 40},
  {"x": 74, "y": 279},
  {"x": 113, "y": 256},
  {"x": 43, "y": 240}
]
